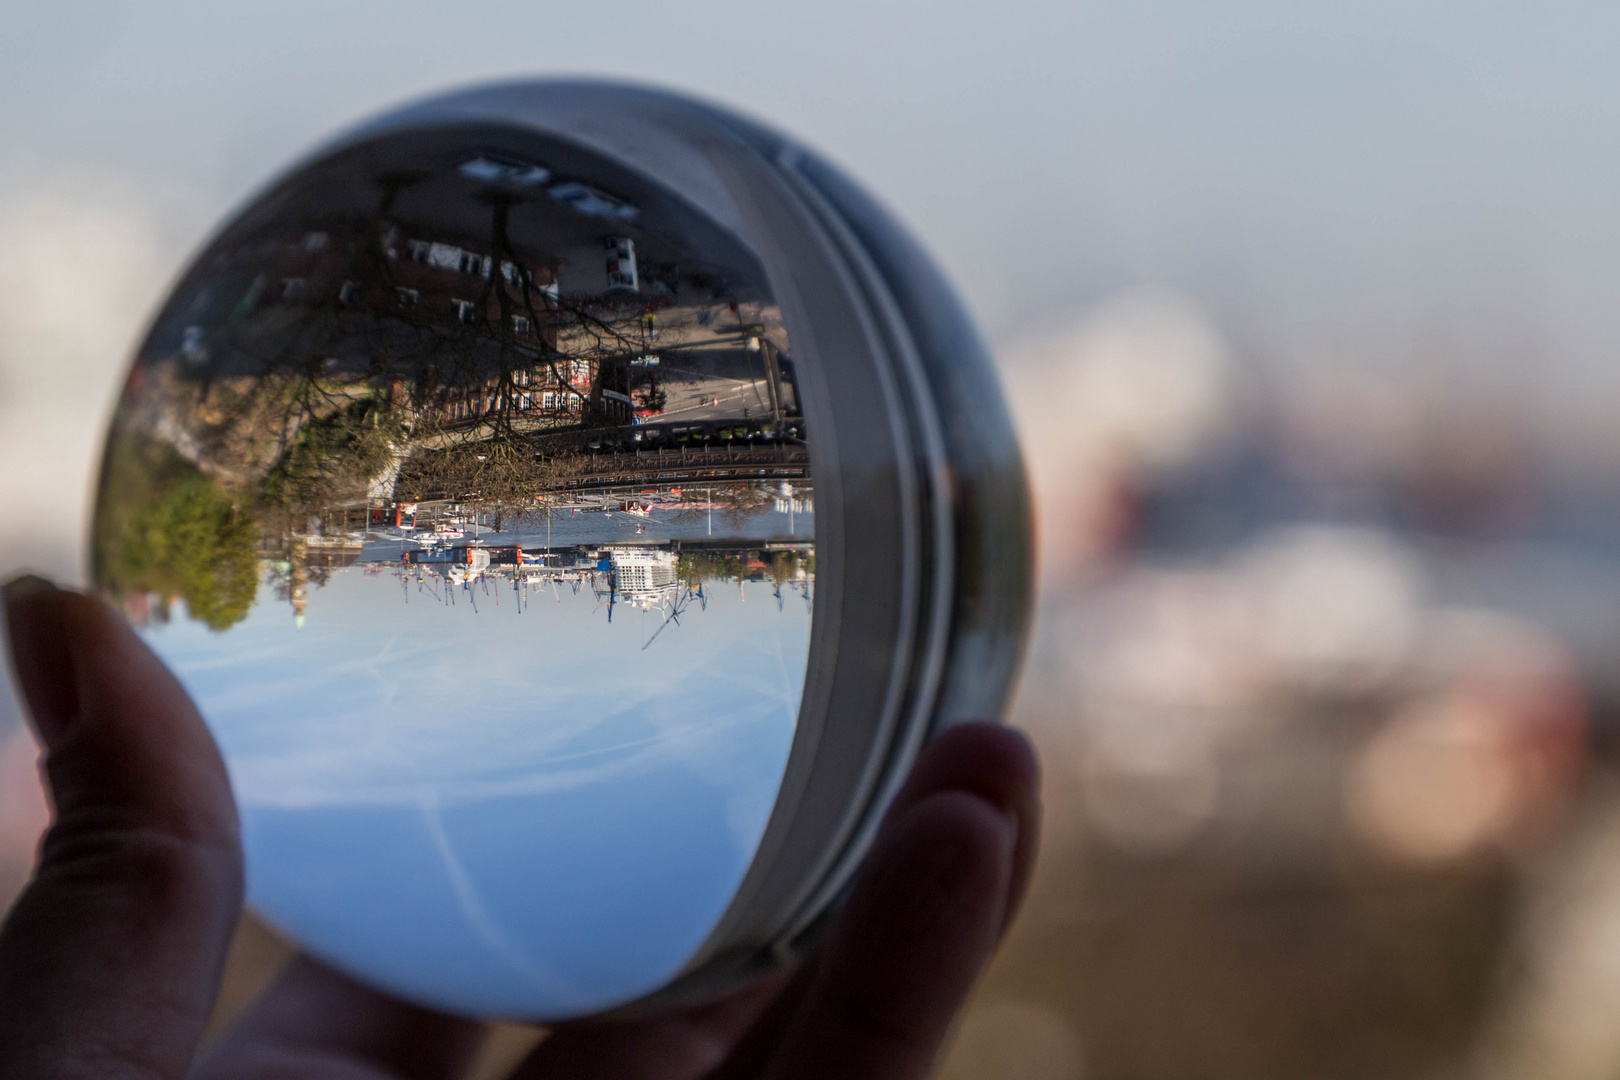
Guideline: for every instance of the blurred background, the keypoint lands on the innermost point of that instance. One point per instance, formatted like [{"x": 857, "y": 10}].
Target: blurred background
[{"x": 1308, "y": 316}]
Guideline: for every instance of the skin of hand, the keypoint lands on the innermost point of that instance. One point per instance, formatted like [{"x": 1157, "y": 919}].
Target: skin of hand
[{"x": 110, "y": 960}]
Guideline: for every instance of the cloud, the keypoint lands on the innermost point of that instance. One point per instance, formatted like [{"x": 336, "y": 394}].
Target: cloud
[
  {"x": 83, "y": 261},
  {"x": 376, "y": 701},
  {"x": 82, "y": 266}
]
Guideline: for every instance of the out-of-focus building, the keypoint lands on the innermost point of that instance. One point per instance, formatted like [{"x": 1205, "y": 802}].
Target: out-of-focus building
[{"x": 1325, "y": 692}]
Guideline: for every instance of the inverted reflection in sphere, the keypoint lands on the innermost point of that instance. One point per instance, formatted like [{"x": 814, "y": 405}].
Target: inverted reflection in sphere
[{"x": 463, "y": 481}]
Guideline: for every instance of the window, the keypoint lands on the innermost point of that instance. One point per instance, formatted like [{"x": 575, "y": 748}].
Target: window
[
  {"x": 193, "y": 344},
  {"x": 593, "y": 202},
  {"x": 292, "y": 288},
  {"x": 443, "y": 256},
  {"x": 621, "y": 264},
  {"x": 348, "y": 292},
  {"x": 406, "y": 297},
  {"x": 466, "y": 310},
  {"x": 493, "y": 169},
  {"x": 520, "y": 325}
]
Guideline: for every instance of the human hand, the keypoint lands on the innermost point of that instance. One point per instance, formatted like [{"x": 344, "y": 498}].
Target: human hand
[{"x": 110, "y": 961}]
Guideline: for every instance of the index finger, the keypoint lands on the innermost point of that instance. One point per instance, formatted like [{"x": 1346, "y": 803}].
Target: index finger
[{"x": 110, "y": 959}]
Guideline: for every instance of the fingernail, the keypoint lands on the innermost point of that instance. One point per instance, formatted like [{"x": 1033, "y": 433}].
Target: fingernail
[{"x": 41, "y": 654}]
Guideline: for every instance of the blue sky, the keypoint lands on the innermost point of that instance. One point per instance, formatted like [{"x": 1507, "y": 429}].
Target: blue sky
[{"x": 510, "y": 814}]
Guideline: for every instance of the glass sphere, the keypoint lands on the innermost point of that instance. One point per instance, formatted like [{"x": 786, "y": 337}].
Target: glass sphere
[{"x": 466, "y": 481}]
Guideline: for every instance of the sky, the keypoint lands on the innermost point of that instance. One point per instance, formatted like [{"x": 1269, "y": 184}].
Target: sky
[
  {"x": 508, "y": 814},
  {"x": 1315, "y": 161}
]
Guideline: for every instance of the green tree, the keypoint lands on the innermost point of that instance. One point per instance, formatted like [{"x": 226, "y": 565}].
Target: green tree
[
  {"x": 784, "y": 566},
  {"x": 164, "y": 527}
]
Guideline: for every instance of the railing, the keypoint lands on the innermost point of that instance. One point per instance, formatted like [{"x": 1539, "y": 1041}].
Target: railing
[{"x": 615, "y": 468}]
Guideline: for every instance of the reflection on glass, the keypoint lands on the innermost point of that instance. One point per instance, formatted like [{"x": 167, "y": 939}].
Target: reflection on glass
[{"x": 465, "y": 485}]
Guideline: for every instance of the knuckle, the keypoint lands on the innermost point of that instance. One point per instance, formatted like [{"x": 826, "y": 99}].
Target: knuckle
[
  {"x": 163, "y": 868},
  {"x": 876, "y": 1020}
]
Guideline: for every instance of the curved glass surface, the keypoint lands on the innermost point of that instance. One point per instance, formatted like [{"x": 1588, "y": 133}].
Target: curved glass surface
[{"x": 463, "y": 482}]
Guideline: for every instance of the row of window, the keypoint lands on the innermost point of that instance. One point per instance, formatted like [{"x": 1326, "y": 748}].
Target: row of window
[
  {"x": 442, "y": 256},
  {"x": 548, "y": 401},
  {"x": 576, "y": 371},
  {"x": 296, "y": 288}
]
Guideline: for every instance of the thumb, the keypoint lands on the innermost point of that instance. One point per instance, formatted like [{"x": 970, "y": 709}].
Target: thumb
[{"x": 110, "y": 960}]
